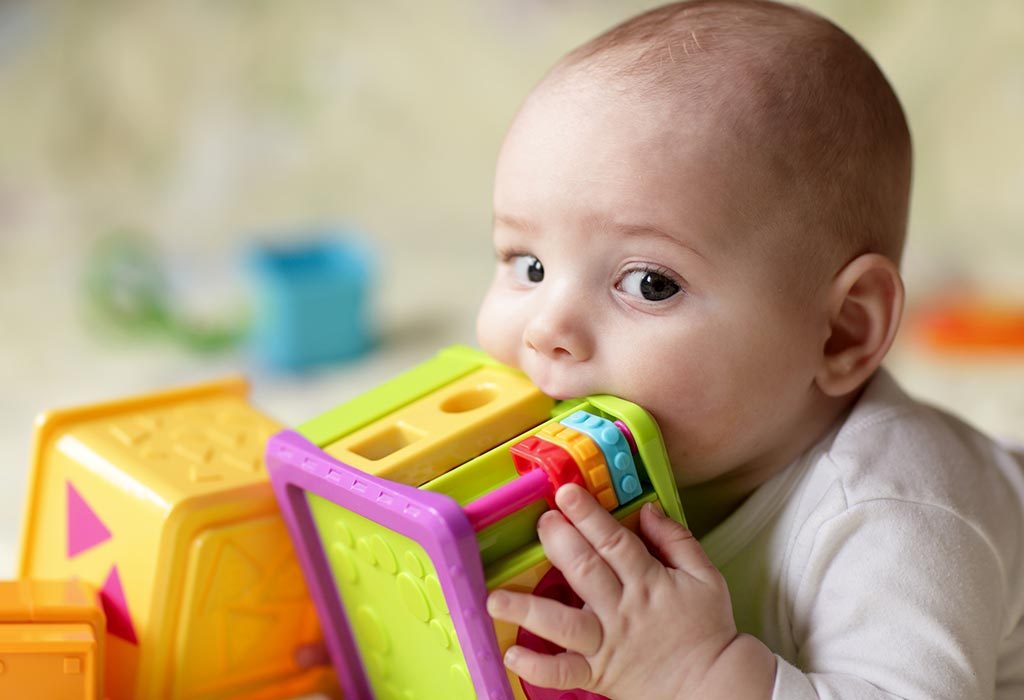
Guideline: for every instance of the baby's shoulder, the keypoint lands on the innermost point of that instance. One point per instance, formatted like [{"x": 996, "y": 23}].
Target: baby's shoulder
[{"x": 891, "y": 446}]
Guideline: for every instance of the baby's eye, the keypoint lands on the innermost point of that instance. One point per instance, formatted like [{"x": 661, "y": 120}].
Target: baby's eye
[
  {"x": 527, "y": 268},
  {"x": 651, "y": 285}
]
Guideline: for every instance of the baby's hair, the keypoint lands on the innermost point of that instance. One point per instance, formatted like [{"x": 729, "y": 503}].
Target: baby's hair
[{"x": 800, "y": 99}]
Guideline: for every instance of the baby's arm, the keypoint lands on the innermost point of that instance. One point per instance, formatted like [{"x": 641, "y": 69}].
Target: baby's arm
[
  {"x": 650, "y": 629},
  {"x": 897, "y": 599}
]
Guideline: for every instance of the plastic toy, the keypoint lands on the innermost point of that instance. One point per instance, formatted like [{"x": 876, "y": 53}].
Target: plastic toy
[
  {"x": 969, "y": 324},
  {"x": 51, "y": 641},
  {"x": 406, "y": 505},
  {"x": 555, "y": 456},
  {"x": 310, "y": 301},
  {"x": 163, "y": 504},
  {"x": 410, "y": 502},
  {"x": 128, "y": 289}
]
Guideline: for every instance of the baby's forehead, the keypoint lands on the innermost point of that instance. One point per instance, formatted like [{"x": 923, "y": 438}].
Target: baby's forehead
[
  {"x": 775, "y": 91},
  {"x": 572, "y": 165},
  {"x": 585, "y": 127}
]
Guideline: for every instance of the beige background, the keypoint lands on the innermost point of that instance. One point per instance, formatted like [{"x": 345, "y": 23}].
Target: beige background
[{"x": 206, "y": 124}]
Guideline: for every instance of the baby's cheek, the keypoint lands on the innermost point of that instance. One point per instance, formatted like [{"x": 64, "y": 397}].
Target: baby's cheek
[
  {"x": 693, "y": 405},
  {"x": 495, "y": 332}
]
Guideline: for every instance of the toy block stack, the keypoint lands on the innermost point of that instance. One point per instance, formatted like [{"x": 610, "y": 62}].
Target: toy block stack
[{"x": 163, "y": 503}]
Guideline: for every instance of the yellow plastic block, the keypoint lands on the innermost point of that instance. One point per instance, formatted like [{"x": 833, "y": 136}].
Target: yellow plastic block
[
  {"x": 588, "y": 457},
  {"x": 163, "y": 503},
  {"x": 446, "y": 428},
  {"x": 51, "y": 641}
]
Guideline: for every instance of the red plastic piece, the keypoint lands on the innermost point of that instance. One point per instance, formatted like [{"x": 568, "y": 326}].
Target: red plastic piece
[{"x": 536, "y": 453}]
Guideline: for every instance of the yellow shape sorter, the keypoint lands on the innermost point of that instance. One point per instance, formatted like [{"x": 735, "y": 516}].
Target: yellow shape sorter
[
  {"x": 163, "y": 503},
  {"x": 445, "y": 428},
  {"x": 51, "y": 641}
]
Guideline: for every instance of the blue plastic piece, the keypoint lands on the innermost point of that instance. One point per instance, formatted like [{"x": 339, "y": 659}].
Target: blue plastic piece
[
  {"x": 617, "y": 455},
  {"x": 311, "y": 302}
]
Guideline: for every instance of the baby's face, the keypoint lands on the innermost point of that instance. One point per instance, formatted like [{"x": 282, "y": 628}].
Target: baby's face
[{"x": 626, "y": 266}]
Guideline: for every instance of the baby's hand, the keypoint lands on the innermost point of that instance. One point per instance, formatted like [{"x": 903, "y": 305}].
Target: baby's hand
[{"x": 649, "y": 629}]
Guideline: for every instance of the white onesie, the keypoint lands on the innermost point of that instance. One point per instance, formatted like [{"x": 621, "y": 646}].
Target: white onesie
[{"x": 888, "y": 561}]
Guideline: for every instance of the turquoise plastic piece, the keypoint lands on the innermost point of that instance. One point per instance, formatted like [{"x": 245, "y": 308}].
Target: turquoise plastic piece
[{"x": 617, "y": 455}]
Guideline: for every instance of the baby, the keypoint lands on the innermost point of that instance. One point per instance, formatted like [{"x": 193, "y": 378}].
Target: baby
[{"x": 702, "y": 211}]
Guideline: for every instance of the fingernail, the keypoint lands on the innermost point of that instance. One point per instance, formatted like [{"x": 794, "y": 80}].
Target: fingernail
[
  {"x": 655, "y": 509},
  {"x": 569, "y": 497},
  {"x": 548, "y": 517},
  {"x": 511, "y": 656},
  {"x": 497, "y": 601}
]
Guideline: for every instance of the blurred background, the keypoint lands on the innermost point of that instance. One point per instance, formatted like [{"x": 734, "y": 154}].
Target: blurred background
[{"x": 201, "y": 132}]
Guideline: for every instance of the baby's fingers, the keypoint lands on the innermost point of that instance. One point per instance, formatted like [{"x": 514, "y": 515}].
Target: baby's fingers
[
  {"x": 570, "y": 628},
  {"x": 675, "y": 545},
  {"x": 617, "y": 546},
  {"x": 560, "y": 671}
]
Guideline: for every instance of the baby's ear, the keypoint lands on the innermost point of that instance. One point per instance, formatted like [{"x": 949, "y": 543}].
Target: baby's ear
[{"x": 865, "y": 305}]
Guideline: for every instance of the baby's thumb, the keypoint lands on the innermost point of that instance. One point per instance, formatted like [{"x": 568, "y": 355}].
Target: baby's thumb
[{"x": 673, "y": 543}]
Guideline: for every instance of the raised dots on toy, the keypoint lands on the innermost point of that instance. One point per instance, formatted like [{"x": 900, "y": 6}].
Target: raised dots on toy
[{"x": 615, "y": 445}]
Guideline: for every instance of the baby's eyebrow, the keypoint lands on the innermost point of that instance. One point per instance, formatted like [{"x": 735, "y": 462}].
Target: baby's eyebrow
[
  {"x": 514, "y": 222},
  {"x": 651, "y": 231},
  {"x": 628, "y": 229}
]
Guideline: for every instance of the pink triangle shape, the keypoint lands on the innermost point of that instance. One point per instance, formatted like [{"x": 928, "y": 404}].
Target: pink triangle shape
[
  {"x": 119, "y": 620},
  {"x": 85, "y": 529}
]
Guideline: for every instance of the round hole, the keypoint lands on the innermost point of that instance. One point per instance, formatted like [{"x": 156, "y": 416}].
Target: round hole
[{"x": 467, "y": 400}]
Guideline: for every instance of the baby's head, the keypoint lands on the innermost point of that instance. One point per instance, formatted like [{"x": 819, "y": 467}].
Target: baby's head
[{"x": 702, "y": 211}]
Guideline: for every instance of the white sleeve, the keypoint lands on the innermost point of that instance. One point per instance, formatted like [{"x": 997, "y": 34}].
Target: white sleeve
[{"x": 898, "y": 600}]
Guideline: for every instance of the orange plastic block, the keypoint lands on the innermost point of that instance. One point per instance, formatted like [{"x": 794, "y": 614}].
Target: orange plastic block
[
  {"x": 972, "y": 325},
  {"x": 51, "y": 641},
  {"x": 589, "y": 458},
  {"x": 163, "y": 503}
]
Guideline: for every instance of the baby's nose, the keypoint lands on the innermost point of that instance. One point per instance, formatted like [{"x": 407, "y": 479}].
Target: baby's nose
[{"x": 560, "y": 332}]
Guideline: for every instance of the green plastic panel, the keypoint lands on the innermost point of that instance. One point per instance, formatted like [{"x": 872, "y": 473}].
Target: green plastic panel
[{"x": 394, "y": 602}]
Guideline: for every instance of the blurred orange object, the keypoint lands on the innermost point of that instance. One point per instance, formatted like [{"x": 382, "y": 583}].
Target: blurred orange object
[
  {"x": 51, "y": 640},
  {"x": 970, "y": 325}
]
